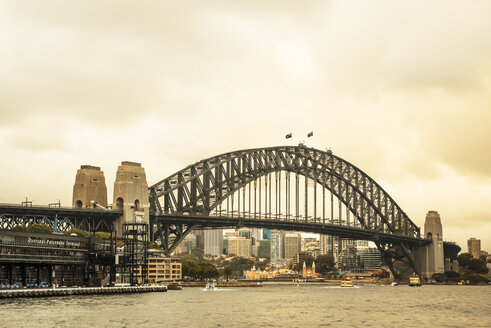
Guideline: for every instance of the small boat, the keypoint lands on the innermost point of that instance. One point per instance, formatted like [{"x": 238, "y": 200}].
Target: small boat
[
  {"x": 347, "y": 283},
  {"x": 461, "y": 282},
  {"x": 394, "y": 283},
  {"x": 414, "y": 281},
  {"x": 212, "y": 286},
  {"x": 174, "y": 286}
]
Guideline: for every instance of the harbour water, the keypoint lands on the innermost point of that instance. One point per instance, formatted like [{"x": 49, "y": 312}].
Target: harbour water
[{"x": 270, "y": 306}]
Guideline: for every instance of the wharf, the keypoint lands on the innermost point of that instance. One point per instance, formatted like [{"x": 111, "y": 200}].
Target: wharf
[{"x": 47, "y": 292}]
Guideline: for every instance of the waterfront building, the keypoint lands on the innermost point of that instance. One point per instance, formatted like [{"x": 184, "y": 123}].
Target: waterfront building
[
  {"x": 30, "y": 258},
  {"x": 474, "y": 247},
  {"x": 213, "y": 242},
  {"x": 163, "y": 269},
  {"x": 309, "y": 272},
  {"x": 275, "y": 275}
]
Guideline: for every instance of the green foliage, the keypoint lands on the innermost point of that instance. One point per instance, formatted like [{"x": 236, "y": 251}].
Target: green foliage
[
  {"x": 78, "y": 232},
  {"x": 238, "y": 265},
  {"x": 474, "y": 278},
  {"x": 452, "y": 274},
  {"x": 153, "y": 245},
  {"x": 103, "y": 235},
  {"x": 262, "y": 265},
  {"x": 199, "y": 270},
  {"x": 466, "y": 261},
  {"x": 308, "y": 262},
  {"x": 324, "y": 264},
  {"x": 227, "y": 271},
  {"x": 439, "y": 277},
  {"x": 478, "y": 266},
  {"x": 195, "y": 255},
  {"x": 34, "y": 228}
]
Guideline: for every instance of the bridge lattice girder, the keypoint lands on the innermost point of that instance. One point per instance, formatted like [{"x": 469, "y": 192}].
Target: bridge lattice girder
[{"x": 201, "y": 187}]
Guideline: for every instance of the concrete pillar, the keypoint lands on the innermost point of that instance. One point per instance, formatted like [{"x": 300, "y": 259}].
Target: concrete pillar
[
  {"x": 131, "y": 195},
  {"x": 432, "y": 256},
  {"x": 89, "y": 187}
]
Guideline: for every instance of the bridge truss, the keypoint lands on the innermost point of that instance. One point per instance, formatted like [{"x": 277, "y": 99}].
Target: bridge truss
[
  {"x": 293, "y": 188},
  {"x": 12, "y": 216}
]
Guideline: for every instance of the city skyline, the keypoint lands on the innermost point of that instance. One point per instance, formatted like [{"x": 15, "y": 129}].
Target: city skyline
[{"x": 402, "y": 96}]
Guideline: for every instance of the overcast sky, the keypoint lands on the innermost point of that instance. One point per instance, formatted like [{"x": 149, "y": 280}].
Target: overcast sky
[{"x": 401, "y": 91}]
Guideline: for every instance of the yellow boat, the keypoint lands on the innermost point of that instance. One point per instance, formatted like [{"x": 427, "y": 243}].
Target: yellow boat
[
  {"x": 414, "y": 281},
  {"x": 347, "y": 283}
]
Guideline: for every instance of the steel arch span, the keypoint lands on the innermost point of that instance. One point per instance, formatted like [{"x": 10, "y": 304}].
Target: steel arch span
[{"x": 254, "y": 187}]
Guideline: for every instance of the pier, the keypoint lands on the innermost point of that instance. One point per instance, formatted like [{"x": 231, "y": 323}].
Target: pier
[{"x": 46, "y": 292}]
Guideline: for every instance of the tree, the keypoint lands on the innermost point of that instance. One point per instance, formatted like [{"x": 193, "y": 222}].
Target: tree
[
  {"x": 227, "y": 271},
  {"x": 324, "y": 264},
  {"x": 464, "y": 260},
  {"x": 199, "y": 270},
  {"x": 308, "y": 259},
  {"x": 467, "y": 262},
  {"x": 478, "y": 266}
]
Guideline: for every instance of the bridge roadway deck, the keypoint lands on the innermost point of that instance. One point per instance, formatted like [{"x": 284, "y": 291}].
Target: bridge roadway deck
[{"x": 328, "y": 229}]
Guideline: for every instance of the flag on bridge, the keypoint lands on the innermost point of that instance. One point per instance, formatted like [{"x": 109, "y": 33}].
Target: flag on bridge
[
  {"x": 311, "y": 133},
  {"x": 288, "y": 136}
]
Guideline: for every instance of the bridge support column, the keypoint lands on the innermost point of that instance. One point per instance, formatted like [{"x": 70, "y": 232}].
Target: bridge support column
[
  {"x": 131, "y": 195},
  {"x": 432, "y": 255}
]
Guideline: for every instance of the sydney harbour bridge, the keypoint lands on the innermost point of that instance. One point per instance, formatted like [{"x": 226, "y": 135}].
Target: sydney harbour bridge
[{"x": 288, "y": 188}]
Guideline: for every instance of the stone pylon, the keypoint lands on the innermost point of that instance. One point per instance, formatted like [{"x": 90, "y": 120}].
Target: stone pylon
[
  {"x": 432, "y": 255},
  {"x": 89, "y": 187},
  {"x": 131, "y": 194}
]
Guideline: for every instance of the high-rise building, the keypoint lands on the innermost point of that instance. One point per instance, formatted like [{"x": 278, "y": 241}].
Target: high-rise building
[
  {"x": 189, "y": 242},
  {"x": 308, "y": 242},
  {"x": 325, "y": 244},
  {"x": 277, "y": 248},
  {"x": 267, "y": 234},
  {"x": 361, "y": 245},
  {"x": 348, "y": 259},
  {"x": 200, "y": 239},
  {"x": 213, "y": 242},
  {"x": 239, "y": 246},
  {"x": 293, "y": 242},
  {"x": 256, "y": 235},
  {"x": 245, "y": 232},
  {"x": 370, "y": 259},
  {"x": 474, "y": 247},
  {"x": 264, "y": 249}
]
